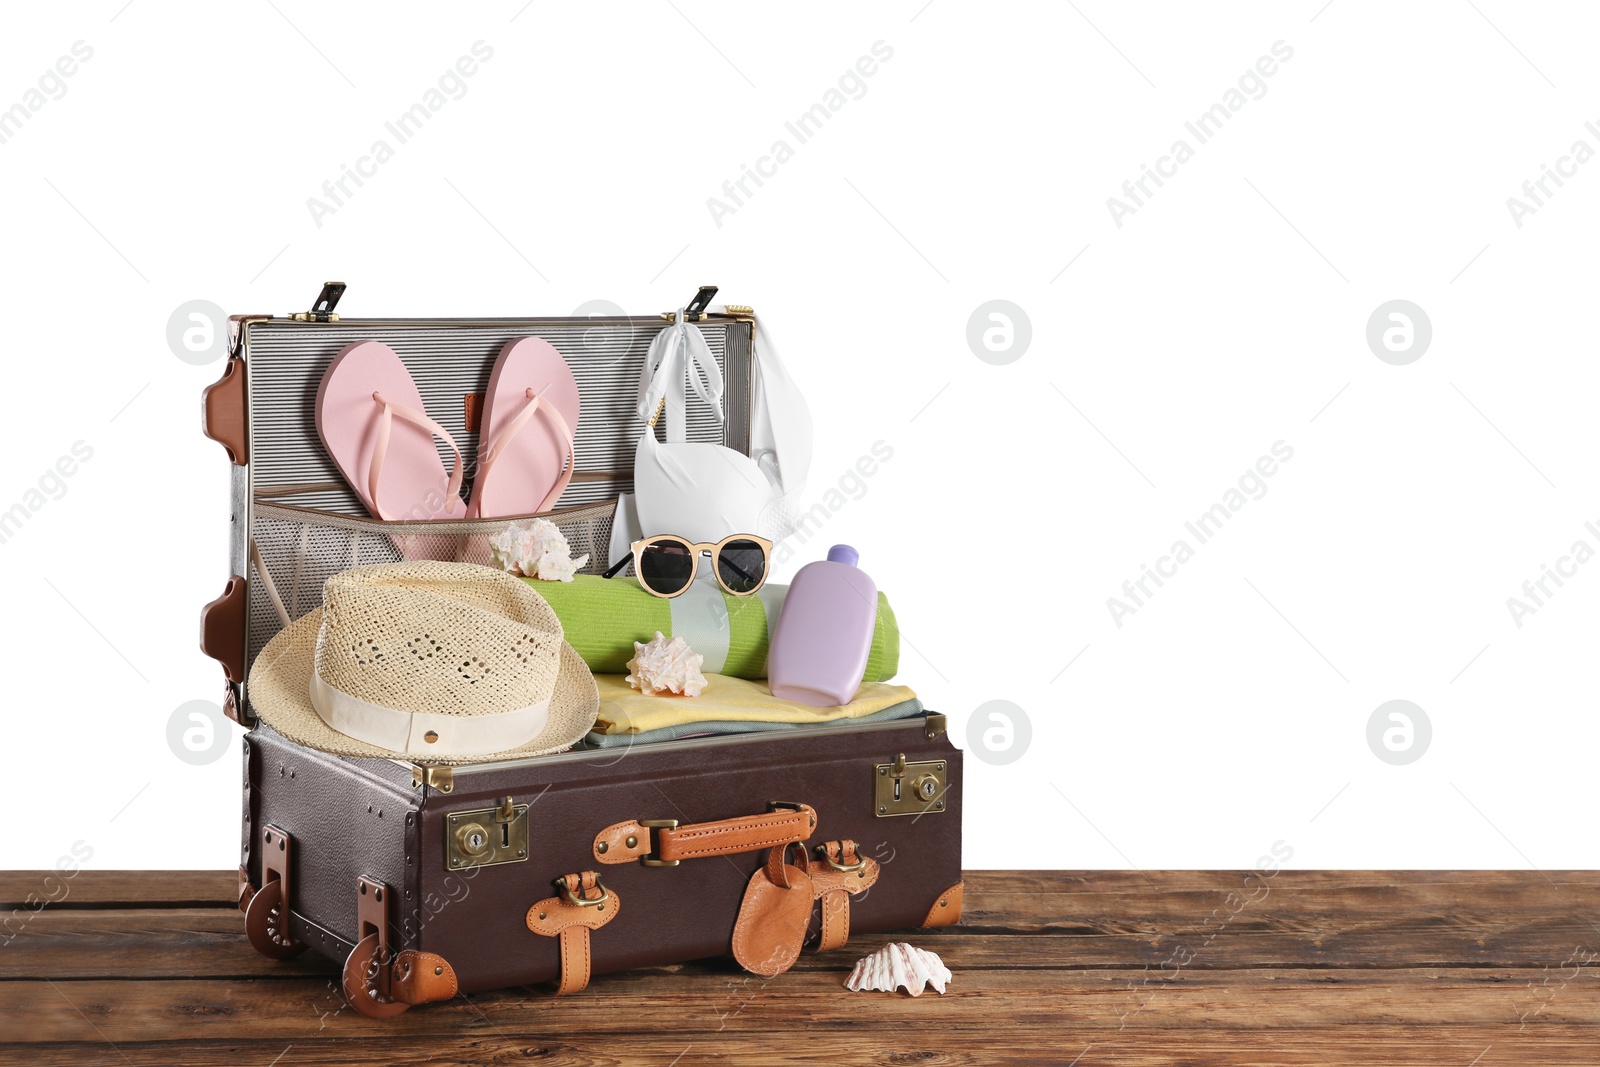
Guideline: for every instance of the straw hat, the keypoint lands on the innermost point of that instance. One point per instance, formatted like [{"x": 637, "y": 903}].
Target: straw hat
[{"x": 430, "y": 662}]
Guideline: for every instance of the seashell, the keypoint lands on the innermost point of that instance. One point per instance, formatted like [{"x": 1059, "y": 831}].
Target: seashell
[
  {"x": 899, "y": 964},
  {"x": 662, "y": 666},
  {"x": 537, "y": 550}
]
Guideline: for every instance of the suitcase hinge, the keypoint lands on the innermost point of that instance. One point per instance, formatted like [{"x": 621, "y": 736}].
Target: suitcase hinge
[
  {"x": 233, "y": 706},
  {"x": 276, "y": 853},
  {"x": 372, "y": 917},
  {"x": 322, "y": 309}
]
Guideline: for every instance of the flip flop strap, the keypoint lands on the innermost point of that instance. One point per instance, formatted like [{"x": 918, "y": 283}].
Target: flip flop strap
[
  {"x": 380, "y": 449},
  {"x": 487, "y": 457}
]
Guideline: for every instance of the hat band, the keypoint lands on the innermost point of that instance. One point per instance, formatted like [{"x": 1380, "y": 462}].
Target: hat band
[{"x": 426, "y": 734}]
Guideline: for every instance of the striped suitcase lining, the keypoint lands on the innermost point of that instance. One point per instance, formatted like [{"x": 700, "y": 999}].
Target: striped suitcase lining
[{"x": 448, "y": 362}]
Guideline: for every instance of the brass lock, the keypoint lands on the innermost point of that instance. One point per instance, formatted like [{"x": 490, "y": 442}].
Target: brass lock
[
  {"x": 487, "y": 836},
  {"x": 472, "y": 838},
  {"x": 902, "y": 788}
]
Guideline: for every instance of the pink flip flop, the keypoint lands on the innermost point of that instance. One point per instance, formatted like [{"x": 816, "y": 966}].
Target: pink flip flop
[
  {"x": 530, "y": 413},
  {"x": 371, "y": 421}
]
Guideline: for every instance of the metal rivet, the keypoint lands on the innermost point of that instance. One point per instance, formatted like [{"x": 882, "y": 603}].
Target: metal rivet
[
  {"x": 601, "y": 848},
  {"x": 940, "y": 804},
  {"x": 431, "y": 736},
  {"x": 632, "y": 841},
  {"x": 882, "y": 771},
  {"x": 601, "y": 908},
  {"x": 438, "y": 970},
  {"x": 541, "y": 915},
  {"x": 944, "y": 903},
  {"x": 882, "y": 808}
]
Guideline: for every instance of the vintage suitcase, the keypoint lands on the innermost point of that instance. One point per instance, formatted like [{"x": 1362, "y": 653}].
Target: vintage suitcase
[{"x": 425, "y": 880}]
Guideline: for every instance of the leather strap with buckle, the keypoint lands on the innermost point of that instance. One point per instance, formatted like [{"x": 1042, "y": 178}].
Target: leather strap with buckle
[
  {"x": 582, "y": 903},
  {"x": 837, "y": 872}
]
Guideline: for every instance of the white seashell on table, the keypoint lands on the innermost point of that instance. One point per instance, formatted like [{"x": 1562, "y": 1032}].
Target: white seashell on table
[{"x": 899, "y": 964}]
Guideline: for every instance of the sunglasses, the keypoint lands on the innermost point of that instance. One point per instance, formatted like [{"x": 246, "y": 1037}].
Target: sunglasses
[{"x": 666, "y": 564}]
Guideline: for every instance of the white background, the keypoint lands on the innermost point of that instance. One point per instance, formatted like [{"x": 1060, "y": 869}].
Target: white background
[{"x": 1167, "y": 355}]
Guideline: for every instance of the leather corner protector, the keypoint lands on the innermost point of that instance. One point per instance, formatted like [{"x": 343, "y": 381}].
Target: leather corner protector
[
  {"x": 223, "y": 410},
  {"x": 946, "y": 911},
  {"x": 422, "y": 978},
  {"x": 611, "y": 844},
  {"x": 222, "y": 629},
  {"x": 552, "y": 915}
]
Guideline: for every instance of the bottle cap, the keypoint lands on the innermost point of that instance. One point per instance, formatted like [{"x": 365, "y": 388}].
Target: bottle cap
[{"x": 844, "y": 554}]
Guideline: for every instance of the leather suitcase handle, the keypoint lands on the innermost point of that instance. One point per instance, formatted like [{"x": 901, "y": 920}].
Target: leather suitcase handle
[
  {"x": 222, "y": 629},
  {"x": 664, "y": 843},
  {"x": 747, "y": 833},
  {"x": 223, "y": 412}
]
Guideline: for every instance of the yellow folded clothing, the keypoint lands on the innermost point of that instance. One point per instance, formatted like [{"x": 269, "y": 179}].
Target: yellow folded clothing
[{"x": 625, "y": 710}]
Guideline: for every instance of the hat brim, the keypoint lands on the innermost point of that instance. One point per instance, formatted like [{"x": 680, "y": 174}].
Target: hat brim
[{"x": 280, "y": 693}]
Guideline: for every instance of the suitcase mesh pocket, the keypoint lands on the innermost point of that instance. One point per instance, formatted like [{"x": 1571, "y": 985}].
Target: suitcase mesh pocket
[{"x": 295, "y": 550}]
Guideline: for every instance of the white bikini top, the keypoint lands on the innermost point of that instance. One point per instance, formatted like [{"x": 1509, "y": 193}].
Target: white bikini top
[{"x": 705, "y": 491}]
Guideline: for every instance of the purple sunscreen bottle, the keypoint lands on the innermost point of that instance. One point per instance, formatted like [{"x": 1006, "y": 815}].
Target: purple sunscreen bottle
[{"x": 824, "y": 632}]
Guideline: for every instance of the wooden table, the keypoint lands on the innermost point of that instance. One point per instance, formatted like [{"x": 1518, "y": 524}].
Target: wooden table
[{"x": 1471, "y": 969}]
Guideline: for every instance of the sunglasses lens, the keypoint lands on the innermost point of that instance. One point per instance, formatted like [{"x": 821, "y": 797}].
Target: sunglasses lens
[
  {"x": 741, "y": 565},
  {"x": 666, "y": 567}
]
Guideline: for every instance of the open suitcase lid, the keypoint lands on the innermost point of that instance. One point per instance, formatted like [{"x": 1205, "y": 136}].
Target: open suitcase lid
[{"x": 262, "y": 411}]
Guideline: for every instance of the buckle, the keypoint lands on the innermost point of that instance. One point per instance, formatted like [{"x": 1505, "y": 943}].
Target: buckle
[
  {"x": 572, "y": 898},
  {"x": 822, "y": 852},
  {"x": 657, "y": 824}
]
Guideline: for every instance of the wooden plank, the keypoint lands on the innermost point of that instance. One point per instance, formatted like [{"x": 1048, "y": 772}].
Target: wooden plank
[
  {"x": 199, "y": 888},
  {"x": 688, "y": 1002},
  {"x": 27, "y": 889},
  {"x": 202, "y": 942},
  {"x": 1322, "y": 967},
  {"x": 1485, "y": 1046}
]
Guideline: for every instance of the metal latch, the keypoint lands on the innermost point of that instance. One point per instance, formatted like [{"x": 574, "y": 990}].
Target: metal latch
[
  {"x": 487, "y": 836},
  {"x": 695, "y": 310},
  {"x": 322, "y": 308},
  {"x": 902, "y": 788}
]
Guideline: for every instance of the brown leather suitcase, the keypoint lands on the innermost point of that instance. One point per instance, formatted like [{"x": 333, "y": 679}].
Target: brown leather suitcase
[{"x": 426, "y": 880}]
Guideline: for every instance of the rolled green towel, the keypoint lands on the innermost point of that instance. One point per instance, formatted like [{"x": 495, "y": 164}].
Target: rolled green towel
[{"x": 603, "y": 617}]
